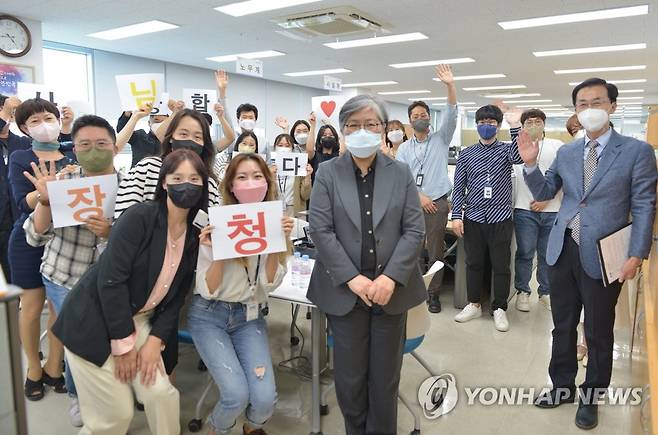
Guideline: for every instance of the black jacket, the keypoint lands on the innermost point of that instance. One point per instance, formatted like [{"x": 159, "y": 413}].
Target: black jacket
[
  {"x": 143, "y": 144},
  {"x": 100, "y": 307}
]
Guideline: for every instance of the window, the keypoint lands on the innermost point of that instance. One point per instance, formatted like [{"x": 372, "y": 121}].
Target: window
[{"x": 68, "y": 71}]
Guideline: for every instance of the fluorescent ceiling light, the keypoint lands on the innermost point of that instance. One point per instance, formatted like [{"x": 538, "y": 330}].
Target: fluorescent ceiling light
[
  {"x": 250, "y": 55},
  {"x": 491, "y": 88},
  {"x": 459, "y": 103},
  {"x": 240, "y": 9},
  {"x": 631, "y": 91},
  {"x": 528, "y": 101},
  {"x": 133, "y": 30},
  {"x": 422, "y": 91},
  {"x": 377, "y": 40},
  {"x": 616, "y": 82},
  {"x": 629, "y": 103},
  {"x": 603, "y": 49},
  {"x": 512, "y": 95},
  {"x": 432, "y": 62},
  {"x": 363, "y": 84},
  {"x": 576, "y": 18},
  {"x": 630, "y": 98},
  {"x": 540, "y": 106},
  {"x": 429, "y": 98},
  {"x": 318, "y": 72},
  {"x": 476, "y": 77},
  {"x": 602, "y": 69}
]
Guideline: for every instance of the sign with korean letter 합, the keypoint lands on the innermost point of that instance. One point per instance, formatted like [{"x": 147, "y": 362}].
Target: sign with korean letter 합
[
  {"x": 242, "y": 230},
  {"x": 291, "y": 164},
  {"x": 201, "y": 100},
  {"x": 76, "y": 199},
  {"x": 137, "y": 89}
]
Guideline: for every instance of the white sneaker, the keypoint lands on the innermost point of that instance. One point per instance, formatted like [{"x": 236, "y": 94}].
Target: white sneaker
[
  {"x": 470, "y": 312},
  {"x": 523, "y": 301},
  {"x": 74, "y": 412},
  {"x": 500, "y": 320},
  {"x": 546, "y": 300}
]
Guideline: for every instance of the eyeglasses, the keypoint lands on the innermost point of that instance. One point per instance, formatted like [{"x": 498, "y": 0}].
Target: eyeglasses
[
  {"x": 99, "y": 145},
  {"x": 594, "y": 104},
  {"x": 371, "y": 126}
]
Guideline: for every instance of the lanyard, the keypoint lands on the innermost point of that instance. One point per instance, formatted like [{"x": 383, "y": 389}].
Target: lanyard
[
  {"x": 427, "y": 147},
  {"x": 252, "y": 285},
  {"x": 282, "y": 188}
]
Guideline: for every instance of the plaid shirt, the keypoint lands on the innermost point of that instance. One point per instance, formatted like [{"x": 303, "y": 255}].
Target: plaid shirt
[{"x": 68, "y": 252}]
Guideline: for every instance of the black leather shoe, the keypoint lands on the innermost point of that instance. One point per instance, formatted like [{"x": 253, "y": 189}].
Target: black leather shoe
[
  {"x": 587, "y": 416},
  {"x": 556, "y": 397},
  {"x": 434, "y": 304}
]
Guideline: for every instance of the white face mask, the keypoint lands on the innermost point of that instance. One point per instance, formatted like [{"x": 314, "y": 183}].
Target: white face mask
[
  {"x": 155, "y": 126},
  {"x": 362, "y": 143},
  {"x": 280, "y": 149},
  {"x": 46, "y": 132},
  {"x": 301, "y": 138},
  {"x": 247, "y": 124},
  {"x": 395, "y": 136},
  {"x": 593, "y": 119}
]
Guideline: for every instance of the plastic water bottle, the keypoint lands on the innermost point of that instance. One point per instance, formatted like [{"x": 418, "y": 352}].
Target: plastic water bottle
[
  {"x": 295, "y": 269},
  {"x": 305, "y": 273}
]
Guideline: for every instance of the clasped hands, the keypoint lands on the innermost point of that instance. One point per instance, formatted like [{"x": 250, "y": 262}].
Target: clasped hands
[{"x": 378, "y": 291}]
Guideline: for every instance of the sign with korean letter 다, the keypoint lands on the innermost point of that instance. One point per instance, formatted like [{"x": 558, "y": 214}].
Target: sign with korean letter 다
[
  {"x": 74, "y": 200},
  {"x": 242, "y": 230},
  {"x": 137, "y": 89},
  {"x": 291, "y": 164}
]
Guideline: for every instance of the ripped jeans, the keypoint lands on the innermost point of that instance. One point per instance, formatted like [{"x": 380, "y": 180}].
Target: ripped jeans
[{"x": 237, "y": 354}]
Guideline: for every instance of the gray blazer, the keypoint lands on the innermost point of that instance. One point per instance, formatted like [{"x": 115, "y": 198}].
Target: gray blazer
[
  {"x": 624, "y": 184},
  {"x": 335, "y": 227}
]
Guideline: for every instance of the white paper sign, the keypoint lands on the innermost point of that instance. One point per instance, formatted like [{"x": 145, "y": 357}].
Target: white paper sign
[
  {"x": 74, "y": 200},
  {"x": 26, "y": 91},
  {"x": 201, "y": 100},
  {"x": 137, "y": 89},
  {"x": 327, "y": 108},
  {"x": 161, "y": 105},
  {"x": 250, "y": 67},
  {"x": 291, "y": 164},
  {"x": 243, "y": 230},
  {"x": 333, "y": 84}
]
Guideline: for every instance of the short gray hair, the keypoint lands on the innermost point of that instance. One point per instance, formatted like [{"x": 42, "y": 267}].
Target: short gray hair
[{"x": 359, "y": 103}]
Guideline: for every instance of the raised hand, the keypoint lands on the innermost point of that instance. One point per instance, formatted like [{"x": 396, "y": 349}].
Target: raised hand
[
  {"x": 143, "y": 111},
  {"x": 287, "y": 223},
  {"x": 205, "y": 235},
  {"x": 67, "y": 118},
  {"x": 7, "y": 112},
  {"x": 513, "y": 116},
  {"x": 444, "y": 73},
  {"x": 219, "y": 110},
  {"x": 312, "y": 119},
  {"x": 42, "y": 175},
  {"x": 528, "y": 149},
  {"x": 221, "y": 78},
  {"x": 281, "y": 122}
]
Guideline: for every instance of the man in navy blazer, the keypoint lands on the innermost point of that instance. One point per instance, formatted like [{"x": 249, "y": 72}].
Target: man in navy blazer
[{"x": 608, "y": 180}]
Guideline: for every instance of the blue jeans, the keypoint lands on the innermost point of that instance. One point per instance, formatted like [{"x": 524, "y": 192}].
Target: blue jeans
[
  {"x": 237, "y": 354},
  {"x": 532, "y": 230},
  {"x": 56, "y": 295}
]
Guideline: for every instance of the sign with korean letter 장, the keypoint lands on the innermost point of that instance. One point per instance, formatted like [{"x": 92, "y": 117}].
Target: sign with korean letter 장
[
  {"x": 76, "y": 199},
  {"x": 243, "y": 230},
  {"x": 201, "y": 100},
  {"x": 161, "y": 105},
  {"x": 26, "y": 91},
  {"x": 291, "y": 164},
  {"x": 250, "y": 67},
  {"x": 333, "y": 84},
  {"x": 137, "y": 89},
  {"x": 327, "y": 109}
]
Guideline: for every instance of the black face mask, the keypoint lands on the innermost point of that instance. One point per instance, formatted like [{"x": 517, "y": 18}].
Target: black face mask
[
  {"x": 328, "y": 142},
  {"x": 184, "y": 195},
  {"x": 186, "y": 144}
]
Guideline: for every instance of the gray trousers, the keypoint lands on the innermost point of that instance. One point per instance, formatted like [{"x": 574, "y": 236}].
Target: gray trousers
[
  {"x": 368, "y": 346},
  {"x": 435, "y": 230}
]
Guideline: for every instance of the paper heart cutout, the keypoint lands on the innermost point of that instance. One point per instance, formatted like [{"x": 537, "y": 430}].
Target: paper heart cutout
[{"x": 328, "y": 107}]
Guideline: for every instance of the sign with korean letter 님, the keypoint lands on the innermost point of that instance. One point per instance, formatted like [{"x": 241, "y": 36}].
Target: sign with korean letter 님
[
  {"x": 291, "y": 164},
  {"x": 74, "y": 200},
  {"x": 242, "y": 230},
  {"x": 137, "y": 89}
]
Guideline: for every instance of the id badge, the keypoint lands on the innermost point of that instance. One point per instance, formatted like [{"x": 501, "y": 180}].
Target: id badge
[
  {"x": 488, "y": 191},
  {"x": 419, "y": 180},
  {"x": 252, "y": 311}
]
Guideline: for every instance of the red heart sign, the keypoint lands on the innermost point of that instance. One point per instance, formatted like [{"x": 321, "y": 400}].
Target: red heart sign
[{"x": 328, "y": 107}]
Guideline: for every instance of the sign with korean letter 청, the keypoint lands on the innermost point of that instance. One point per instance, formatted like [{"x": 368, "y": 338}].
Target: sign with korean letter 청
[
  {"x": 242, "y": 230},
  {"x": 74, "y": 200},
  {"x": 137, "y": 89},
  {"x": 291, "y": 164}
]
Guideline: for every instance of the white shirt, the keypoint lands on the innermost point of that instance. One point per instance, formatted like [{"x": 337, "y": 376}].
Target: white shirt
[
  {"x": 286, "y": 188},
  {"x": 547, "y": 151}
]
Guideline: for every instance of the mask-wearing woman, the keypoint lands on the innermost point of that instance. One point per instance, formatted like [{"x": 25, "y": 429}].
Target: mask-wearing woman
[
  {"x": 225, "y": 317},
  {"x": 327, "y": 147},
  {"x": 124, "y": 310},
  {"x": 395, "y": 136},
  {"x": 294, "y": 191}
]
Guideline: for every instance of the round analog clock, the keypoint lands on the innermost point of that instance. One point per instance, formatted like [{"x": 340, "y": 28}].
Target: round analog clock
[{"x": 15, "y": 37}]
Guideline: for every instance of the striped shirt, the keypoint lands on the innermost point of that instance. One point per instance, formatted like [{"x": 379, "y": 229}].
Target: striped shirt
[
  {"x": 140, "y": 183},
  {"x": 485, "y": 166}
]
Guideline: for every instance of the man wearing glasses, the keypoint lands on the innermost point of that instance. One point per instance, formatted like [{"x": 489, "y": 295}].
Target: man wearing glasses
[{"x": 426, "y": 154}]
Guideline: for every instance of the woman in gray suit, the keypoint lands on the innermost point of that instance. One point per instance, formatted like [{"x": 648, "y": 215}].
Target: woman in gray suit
[{"x": 367, "y": 225}]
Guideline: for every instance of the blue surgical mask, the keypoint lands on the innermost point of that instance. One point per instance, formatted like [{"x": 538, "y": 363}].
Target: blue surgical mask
[
  {"x": 363, "y": 143},
  {"x": 487, "y": 131}
]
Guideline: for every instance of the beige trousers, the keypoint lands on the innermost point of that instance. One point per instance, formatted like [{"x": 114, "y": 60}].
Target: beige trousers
[{"x": 106, "y": 405}]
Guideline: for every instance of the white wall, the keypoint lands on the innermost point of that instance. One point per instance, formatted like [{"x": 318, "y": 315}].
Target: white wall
[{"x": 34, "y": 57}]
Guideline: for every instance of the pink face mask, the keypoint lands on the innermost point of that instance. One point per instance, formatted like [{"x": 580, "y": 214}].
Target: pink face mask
[{"x": 250, "y": 191}]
